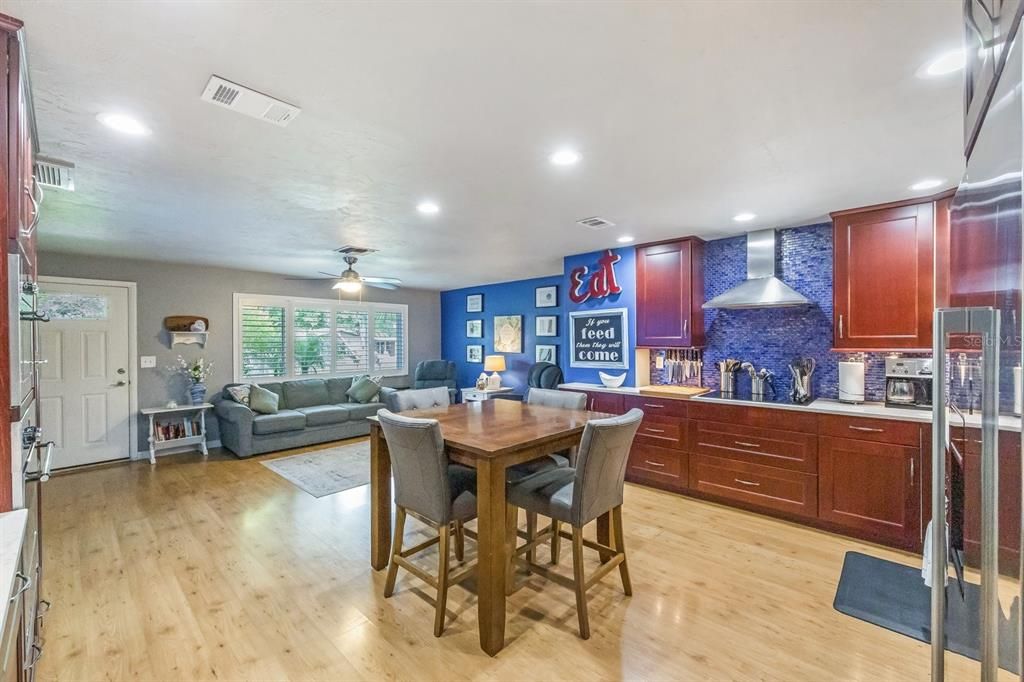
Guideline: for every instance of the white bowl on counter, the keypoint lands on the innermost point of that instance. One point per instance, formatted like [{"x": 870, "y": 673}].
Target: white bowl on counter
[{"x": 612, "y": 382}]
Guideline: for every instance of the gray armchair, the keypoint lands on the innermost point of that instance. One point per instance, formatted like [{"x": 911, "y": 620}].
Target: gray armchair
[
  {"x": 434, "y": 373},
  {"x": 540, "y": 375}
]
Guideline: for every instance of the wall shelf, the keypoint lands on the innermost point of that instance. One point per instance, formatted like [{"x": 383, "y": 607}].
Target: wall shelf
[{"x": 189, "y": 338}]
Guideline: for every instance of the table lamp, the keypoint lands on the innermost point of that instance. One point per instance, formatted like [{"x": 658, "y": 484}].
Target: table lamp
[{"x": 494, "y": 363}]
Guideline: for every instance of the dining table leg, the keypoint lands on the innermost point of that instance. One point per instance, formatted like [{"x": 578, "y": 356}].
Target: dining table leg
[
  {"x": 380, "y": 499},
  {"x": 491, "y": 554},
  {"x": 604, "y": 533}
]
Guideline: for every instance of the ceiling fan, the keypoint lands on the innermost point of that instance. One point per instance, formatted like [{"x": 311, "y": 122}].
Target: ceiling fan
[{"x": 351, "y": 281}]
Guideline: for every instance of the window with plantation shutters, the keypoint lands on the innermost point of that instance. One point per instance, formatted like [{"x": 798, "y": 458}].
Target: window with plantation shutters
[
  {"x": 285, "y": 338},
  {"x": 352, "y": 342},
  {"x": 262, "y": 330}
]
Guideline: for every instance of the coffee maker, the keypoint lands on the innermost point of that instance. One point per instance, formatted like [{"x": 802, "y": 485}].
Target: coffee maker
[{"x": 908, "y": 382}]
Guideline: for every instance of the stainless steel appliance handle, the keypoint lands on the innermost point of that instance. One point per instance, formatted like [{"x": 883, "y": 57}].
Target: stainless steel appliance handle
[{"x": 44, "y": 475}]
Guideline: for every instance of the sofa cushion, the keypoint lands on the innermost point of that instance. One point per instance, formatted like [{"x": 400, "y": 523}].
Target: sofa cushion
[
  {"x": 336, "y": 389},
  {"x": 364, "y": 389},
  {"x": 263, "y": 400},
  {"x": 238, "y": 392},
  {"x": 305, "y": 393},
  {"x": 284, "y": 420},
  {"x": 358, "y": 411},
  {"x": 322, "y": 415}
]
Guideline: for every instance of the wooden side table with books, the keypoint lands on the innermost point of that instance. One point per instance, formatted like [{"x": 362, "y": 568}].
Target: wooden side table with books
[{"x": 171, "y": 427}]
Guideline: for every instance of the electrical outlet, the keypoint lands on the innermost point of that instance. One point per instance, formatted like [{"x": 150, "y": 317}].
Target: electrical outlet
[{"x": 147, "y": 361}]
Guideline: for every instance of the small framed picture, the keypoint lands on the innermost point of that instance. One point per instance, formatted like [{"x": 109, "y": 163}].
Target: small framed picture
[
  {"x": 475, "y": 303},
  {"x": 547, "y": 325},
  {"x": 474, "y": 353},
  {"x": 547, "y": 354},
  {"x": 547, "y": 297},
  {"x": 475, "y": 329}
]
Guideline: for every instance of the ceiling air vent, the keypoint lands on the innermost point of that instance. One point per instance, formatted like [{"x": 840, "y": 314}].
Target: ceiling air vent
[
  {"x": 349, "y": 250},
  {"x": 54, "y": 173},
  {"x": 246, "y": 101},
  {"x": 595, "y": 223}
]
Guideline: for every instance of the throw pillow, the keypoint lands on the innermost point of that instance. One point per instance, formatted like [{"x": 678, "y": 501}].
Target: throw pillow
[
  {"x": 262, "y": 400},
  {"x": 240, "y": 394},
  {"x": 364, "y": 389}
]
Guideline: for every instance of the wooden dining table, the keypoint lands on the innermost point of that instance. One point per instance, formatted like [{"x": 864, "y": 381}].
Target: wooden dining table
[{"x": 489, "y": 436}]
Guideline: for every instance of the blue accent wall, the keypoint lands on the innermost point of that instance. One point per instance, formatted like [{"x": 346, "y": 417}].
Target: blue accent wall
[
  {"x": 625, "y": 271},
  {"x": 507, "y": 298}
]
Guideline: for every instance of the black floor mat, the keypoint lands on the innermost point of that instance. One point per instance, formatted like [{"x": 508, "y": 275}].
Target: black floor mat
[{"x": 895, "y": 597}]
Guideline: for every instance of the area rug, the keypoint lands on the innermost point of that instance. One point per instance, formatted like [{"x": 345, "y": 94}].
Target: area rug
[
  {"x": 327, "y": 471},
  {"x": 894, "y": 597}
]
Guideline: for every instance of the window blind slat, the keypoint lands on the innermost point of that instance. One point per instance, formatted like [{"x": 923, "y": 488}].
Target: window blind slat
[{"x": 263, "y": 341}]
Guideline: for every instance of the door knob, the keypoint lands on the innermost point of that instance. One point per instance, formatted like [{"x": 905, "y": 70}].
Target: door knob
[{"x": 121, "y": 383}]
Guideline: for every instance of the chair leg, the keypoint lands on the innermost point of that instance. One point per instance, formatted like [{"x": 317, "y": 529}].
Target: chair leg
[
  {"x": 396, "y": 549},
  {"x": 620, "y": 547},
  {"x": 556, "y": 541},
  {"x": 579, "y": 581},
  {"x": 511, "y": 534},
  {"x": 531, "y": 533},
  {"x": 460, "y": 541},
  {"x": 442, "y": 579}
]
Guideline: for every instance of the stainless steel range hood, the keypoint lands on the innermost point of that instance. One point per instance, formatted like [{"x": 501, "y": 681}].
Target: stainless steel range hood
[{"x": 762, "y": 288}]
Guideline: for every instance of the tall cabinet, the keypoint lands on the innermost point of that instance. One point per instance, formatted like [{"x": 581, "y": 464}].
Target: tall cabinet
[{"x": 20, "y": 451}]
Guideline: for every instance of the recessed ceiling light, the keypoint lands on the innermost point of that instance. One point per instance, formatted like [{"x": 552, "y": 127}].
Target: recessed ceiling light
[
  {"x": 928, "y": 183},
  {"x": 565, "y": 157},
  {"x": 624, "y": 239},
  {"x": 743, "y": 217},
  {"x": 123, "y": 123},
  {"x": 947, "y": 63},
  {"x": 428, "y": 208}
]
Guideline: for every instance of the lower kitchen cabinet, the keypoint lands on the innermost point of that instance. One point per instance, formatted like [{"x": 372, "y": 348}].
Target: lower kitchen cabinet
[
  {"x": 1009, "y": 499},
  {"x": 872, "y": 489},
  {"x": 605, "y": 402},
  {"x": 781, "y": 490},
  {"x": 656, "y": 465}
]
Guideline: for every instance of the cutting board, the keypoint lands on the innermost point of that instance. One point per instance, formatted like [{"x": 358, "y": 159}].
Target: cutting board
[{"x": 674, "y": 391}]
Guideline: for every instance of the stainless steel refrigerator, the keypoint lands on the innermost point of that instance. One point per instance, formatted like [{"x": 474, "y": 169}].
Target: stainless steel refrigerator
[{"x": 976, "y": 480}]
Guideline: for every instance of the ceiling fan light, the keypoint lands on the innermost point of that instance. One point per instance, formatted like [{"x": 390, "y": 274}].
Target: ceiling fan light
[{"x": 348, "y": 285}]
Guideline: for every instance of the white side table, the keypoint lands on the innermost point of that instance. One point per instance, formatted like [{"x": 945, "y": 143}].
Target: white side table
[
  {"x": 470, "y": 395},
  {"x": 176, "y": 416}
]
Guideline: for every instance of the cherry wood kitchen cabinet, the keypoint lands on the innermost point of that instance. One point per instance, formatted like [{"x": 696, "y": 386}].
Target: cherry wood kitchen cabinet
[
  {"x": 670, "y": 293},
  {"x": 658, "y": 456},
  {"x": 883, "y": 290},
  {"x": 1009, "y": 499},
  {"x": 600, "y": 401},
  {"x": 871, "y": 488}
]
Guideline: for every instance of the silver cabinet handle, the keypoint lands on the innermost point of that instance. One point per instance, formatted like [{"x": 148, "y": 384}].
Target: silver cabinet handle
[
  {"x": 745, "y": 444},
  {"x": 748, "y": 483},
  {"x": 686, "y": 326},
  {"x": 653, "y": 464},
  {"x": 841, "y": 325},
  {"x": 652, "y": 405},
  {"x": 911, "y": 471},
  {"x": 866, "y": 428},
  {"x": 26, "y": 582},
  {"x": 650, "y": 430}
]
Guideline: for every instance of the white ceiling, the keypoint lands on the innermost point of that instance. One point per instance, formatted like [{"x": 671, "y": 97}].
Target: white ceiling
[{"x": 685, "y": 113}]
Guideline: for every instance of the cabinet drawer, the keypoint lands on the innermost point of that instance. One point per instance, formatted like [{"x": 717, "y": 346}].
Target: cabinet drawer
[
  {"x": 878, "y": 430},
  {"x": 777, "y": 489},
  {"x": 668, "y": 433},
  {"x": 657, "y": 464},
  {"x": 656, "y": 407},
  {"x": 767, "y": 417},
  {"x": 771, "y": 447}
]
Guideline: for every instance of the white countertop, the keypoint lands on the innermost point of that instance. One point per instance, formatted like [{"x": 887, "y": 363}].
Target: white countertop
[
  {"x": 822, "y": 406},
  {"x": 12, "y": 535}
]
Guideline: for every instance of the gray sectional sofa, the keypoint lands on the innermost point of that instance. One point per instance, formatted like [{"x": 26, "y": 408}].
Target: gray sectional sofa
[{"x": 309, "y": 411}]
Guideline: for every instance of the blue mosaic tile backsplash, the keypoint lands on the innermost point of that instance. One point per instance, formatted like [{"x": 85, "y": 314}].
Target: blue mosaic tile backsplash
[{"x": 772, "y": 337}]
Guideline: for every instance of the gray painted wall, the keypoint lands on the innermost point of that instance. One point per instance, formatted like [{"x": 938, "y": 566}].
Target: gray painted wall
[{"x": 174, "y": 289}]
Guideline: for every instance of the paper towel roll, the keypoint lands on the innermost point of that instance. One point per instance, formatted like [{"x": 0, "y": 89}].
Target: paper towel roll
[{"x": 851, "y": 382}]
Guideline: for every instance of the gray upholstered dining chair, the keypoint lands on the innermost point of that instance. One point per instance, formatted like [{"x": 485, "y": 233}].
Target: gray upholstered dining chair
[
  {"x": 439, "y": 493},
  {"x": 568, "y": 400},
  {"x": 417, "y": 399},
  {"x": 578, "y": 496}
]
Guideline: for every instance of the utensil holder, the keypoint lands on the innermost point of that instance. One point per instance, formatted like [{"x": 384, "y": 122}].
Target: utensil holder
[
  {"x": 728, "y": 381},
  {"x": 757, "y": 387}
]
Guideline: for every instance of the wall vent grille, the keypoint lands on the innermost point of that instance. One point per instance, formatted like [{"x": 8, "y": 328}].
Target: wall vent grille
[{"x": 54, "y": 173}]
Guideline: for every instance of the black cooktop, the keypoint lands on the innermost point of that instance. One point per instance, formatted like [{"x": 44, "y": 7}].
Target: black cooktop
[{"x": 779, "y": 398}]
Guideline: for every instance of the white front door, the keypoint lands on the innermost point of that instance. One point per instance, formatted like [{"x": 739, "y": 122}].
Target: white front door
[{"x": 84, "y": 379}]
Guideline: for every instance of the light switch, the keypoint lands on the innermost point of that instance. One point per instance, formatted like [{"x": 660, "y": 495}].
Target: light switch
[{"x": 147, "y": 361}]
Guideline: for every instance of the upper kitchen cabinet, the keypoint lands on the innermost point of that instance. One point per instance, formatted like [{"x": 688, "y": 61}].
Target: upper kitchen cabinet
[
  {"x": 883, "y": 291},
  {"x": 669, "y": 294},
  {"x": 23, "y": 192}
]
